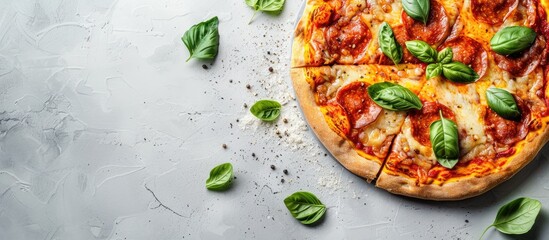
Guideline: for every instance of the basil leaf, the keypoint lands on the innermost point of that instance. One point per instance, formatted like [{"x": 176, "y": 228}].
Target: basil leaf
[
  {"x": 417, "y": 9},
  {"x": 433, "y": 70},
  {"x": 266, "y": 110},
  {"x": 513, "y": 39},
  {"x": 445, "y": 56},
  {"x": 503, "y": 103},
  {"x": 202, "y": 40},
  {"x": 459, "y": 72},
  {"x": 221, "y": 177},
  {"x": 305, "y": 207},
  {"x": 388, "y": 44},
  {"x": 422, "y": 50},
  {"x": 394, "y": 97},
  {"x": 517, "y": 216},
  {"x": 269, "y": 6},
  {"x": 444, "y": 139}
]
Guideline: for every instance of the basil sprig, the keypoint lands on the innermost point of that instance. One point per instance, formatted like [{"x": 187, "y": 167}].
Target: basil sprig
[
  {"x": 305, "y": 207},
  {"x": 266, "y": 110},
  {"x": 513, "y": 39},
  {"x": 388, "y": 43},
  {"x": 444, "y": 139},
  {"x": 503, "y": 103},
  {"x": 269, "y": 6},
  {"x": 221, "y": 177},
  {"x": 441, "y": 63},
  {"x": 516, "y": 217},
  {"x": 394, "y": 97},
  {"x": 202, "y": 39},
  {"x": 417, "y": 9}
]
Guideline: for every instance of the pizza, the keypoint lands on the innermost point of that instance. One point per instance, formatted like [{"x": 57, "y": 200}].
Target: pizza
[{"x": 438, "y": 99}]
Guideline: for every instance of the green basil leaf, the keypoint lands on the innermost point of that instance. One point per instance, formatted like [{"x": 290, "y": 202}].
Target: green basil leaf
[
  {"x": 444, "y": 139},
  {"x": 305, "y": 207},
  {"x": 503, "y": 103},
  {"x": 433, "y": 70},
  {"x": 513, "y": 39},
  {"x": 445, "y": 56},
  {"x": 393, "y": 97},
  {"x": 459, "y": 72},
  {"x": 422, "y": 50},
  {"x": 517, "y": 216},
  {"x": 202, "y": 40},
  {"x": 221, "y": 177},
  {"x": 417, "y": 9},
  {"x": 269, "y": 6},
  {"x": 266, "y": 110},
  {"x": 388, "y": 44}
]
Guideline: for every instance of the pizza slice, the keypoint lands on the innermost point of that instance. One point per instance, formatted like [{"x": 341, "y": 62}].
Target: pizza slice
[
  {"x": 347, "y": 32},
  {"x": 349, "y": 123}
]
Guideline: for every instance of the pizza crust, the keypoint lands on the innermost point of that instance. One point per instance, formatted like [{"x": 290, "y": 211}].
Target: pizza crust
[
  {"x": 464, "y": 187},
  {"x": 339, "y": 147}
]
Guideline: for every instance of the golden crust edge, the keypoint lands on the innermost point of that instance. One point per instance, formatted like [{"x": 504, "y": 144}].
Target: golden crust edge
[
  {"x": 339, "y": 147},
  {"x": 468, "y": 187}
]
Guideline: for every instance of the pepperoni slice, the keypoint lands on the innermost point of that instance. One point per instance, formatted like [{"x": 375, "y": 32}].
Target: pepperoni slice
[
  {"x": 359, "y": 106},
  {"x": 436, "y": 30},
  {"x": 469, "y": 52},
  {"x": 422, "y": 119},
  {"x": 525, "y": 62},
  {"x": 348, "y": 38},
  {"x": 493, "y": 12},
  {"x": 507, "y": 132}
]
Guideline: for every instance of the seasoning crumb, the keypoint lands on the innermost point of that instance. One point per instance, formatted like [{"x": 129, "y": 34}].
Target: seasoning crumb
[
  {"x": 466, "y": 220},
  {"x": 271, "y": 69},
  {"x": 205, "y": 66},
  {"x": 253, "y": 154},
  {"x": 285, "y": 171},
  {"x": 245, "y": 105},
  {"x": 285, "y": 120},
  {"x": 248, "y": 86},
  {"x": 224, "y": 146},
  {"x": 273, "y": 167},
  {"x": 282, "y": 180}
]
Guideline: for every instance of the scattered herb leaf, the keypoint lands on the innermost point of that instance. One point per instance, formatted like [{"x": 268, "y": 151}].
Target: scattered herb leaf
[
  {"x": 221, "y": 177},
  {"x": 269, "y": 6},
  {"x": 266, "y": 110},
  {"x": 202, "y": 39},
  {"x": 517, "y": 216},
  {"x": 305, "y": 207}
]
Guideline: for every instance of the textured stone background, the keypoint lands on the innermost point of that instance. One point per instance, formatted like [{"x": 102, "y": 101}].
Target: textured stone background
[{"x": 106, "y": 133}]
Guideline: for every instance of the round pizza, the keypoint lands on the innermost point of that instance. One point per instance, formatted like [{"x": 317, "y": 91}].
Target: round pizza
[{"x": 436, "y": 99}]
